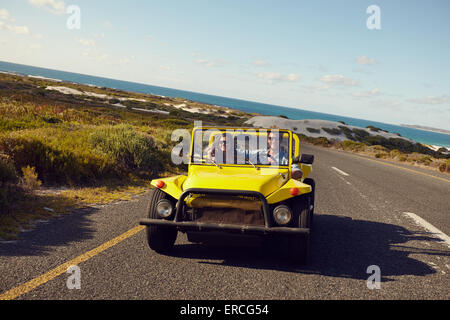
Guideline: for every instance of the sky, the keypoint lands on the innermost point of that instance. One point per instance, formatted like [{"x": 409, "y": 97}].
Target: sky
[{"x": 312, "y": 55}]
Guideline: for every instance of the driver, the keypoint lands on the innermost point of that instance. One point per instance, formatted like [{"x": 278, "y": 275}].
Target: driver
[
  {"x": 224, "y": 149},
  {"x": 277, "y": 154}
]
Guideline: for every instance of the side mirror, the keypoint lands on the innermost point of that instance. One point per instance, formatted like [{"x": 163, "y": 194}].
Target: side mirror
[{"x": 306, "y": 158}]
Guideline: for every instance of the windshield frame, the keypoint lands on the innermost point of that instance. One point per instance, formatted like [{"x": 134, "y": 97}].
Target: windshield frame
[{"x": 236, "y": 131}]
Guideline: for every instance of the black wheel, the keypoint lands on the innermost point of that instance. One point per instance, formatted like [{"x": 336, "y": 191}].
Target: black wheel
[
  {"x": 159, "y": 238},
  {"x": 312, "y": 183},
  {"x": 299, "y": 244}
]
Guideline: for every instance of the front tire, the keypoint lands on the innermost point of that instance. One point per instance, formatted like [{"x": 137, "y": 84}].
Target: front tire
[
  {"x": 299, "y": 244},
  {"x": 160, "y": 239}
]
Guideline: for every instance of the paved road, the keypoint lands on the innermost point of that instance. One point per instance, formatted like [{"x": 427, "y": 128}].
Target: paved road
[{"x": 360, "y": 221}]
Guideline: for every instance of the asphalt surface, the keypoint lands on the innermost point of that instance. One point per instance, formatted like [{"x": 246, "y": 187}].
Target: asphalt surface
[{"x": 360, "y": 221}]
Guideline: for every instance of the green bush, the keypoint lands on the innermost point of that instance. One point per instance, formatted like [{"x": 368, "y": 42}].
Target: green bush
[
  {"x": 375, "y": 129},
  {"x": 30, "y": 179},
  {"x": 321, "y": 141},
  {"x": 312, "y": 130},
  {"x": 395, "y": 153},
  {"x": 333, "y": 131},
  {"x": 55, "y": 158},
  {"x": 8, "y": 173},
  {"x": 444, "y": 166},
  {"x": 83, "y": 155},
  {"x": 129, "y": 149},
  {"x": 353, "y": 146},
  {"x": 348, "y": 132},
  {"x": 425, "y": 160},
  {"x": 8, "y": 176},
  {"x": 360, "y": 134}
]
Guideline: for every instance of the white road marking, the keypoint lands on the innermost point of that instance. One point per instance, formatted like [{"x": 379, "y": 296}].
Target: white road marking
[
  {"x": 428, "y": 226},
  {"x": 340, "y": 171}
]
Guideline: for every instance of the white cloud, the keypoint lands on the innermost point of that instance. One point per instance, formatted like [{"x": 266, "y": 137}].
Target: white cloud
[
  {"x": 166, "y": 67},
  {"x": 367, "y": 94},
  {"x": 316, "y": 87},
  {"x": 260, "y": 63},
  {"x": 319, "y": 67},
  {"x": 21, "y": 30},
  {"x": 86, "y": 42},
  {"x": 272, "y": 77},
  {"x": 5, "y": 15},
  {"x": 364, "y": 60},
  {"x": 432, "y": 100},
  {"x": 99, "y": 35},
  {"x": 107, "y": 24},
  {"x": 103, "y": 57},
  {"x": 361, "y": 70},
  {"x": 210, "y": 63},
  {"x": 35, "y": 46},
  {"x": 204, "y": 62},
  {"x": 339, "y": 80},
  {"x": 126, "y": 60},
  {"x": 94, "y": 54},
  {"x": 53, "y": 6}
]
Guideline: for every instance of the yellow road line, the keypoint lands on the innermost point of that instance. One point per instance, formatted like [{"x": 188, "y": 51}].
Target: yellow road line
[
  {"x": 36, "y": 282},
  {"x": 415, "y": 171}
]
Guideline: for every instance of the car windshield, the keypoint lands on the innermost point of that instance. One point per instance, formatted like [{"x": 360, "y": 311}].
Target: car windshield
[{"x": 241, "y": 147}]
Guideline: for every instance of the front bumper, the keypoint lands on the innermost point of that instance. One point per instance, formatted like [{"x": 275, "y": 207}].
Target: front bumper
[{"x": 198, "y": 226}]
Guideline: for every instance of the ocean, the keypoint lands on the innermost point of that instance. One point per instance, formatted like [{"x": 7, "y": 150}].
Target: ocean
[{"x": 422, "y": 136}]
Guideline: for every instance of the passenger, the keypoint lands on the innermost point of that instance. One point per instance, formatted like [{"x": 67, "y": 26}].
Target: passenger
[
  {"x": 223, "y": 148},
  {"x": 278, "y": 155}
]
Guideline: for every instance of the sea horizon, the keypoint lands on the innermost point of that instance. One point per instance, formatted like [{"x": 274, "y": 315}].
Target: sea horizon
[{"x": 422, "y": 136}]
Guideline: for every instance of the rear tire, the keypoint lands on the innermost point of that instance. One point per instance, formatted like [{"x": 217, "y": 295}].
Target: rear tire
[
  {"x": 299, "y": 243},
  {"x": 160, "y": 239}
]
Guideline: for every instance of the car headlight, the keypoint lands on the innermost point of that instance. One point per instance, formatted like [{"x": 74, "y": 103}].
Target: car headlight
[
  {"x": 164, "y": 208},
  {"x": 282, "y": 214}
]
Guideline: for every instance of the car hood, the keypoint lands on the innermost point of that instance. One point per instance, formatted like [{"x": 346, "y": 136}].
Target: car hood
[{"x": 264, "y": 180}]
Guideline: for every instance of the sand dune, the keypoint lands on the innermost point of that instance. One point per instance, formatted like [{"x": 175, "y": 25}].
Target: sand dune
[{"x": 302, "y": 126}]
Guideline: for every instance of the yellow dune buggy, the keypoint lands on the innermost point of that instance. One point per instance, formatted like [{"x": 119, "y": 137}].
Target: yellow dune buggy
[{"x": 239, "y": 181}]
